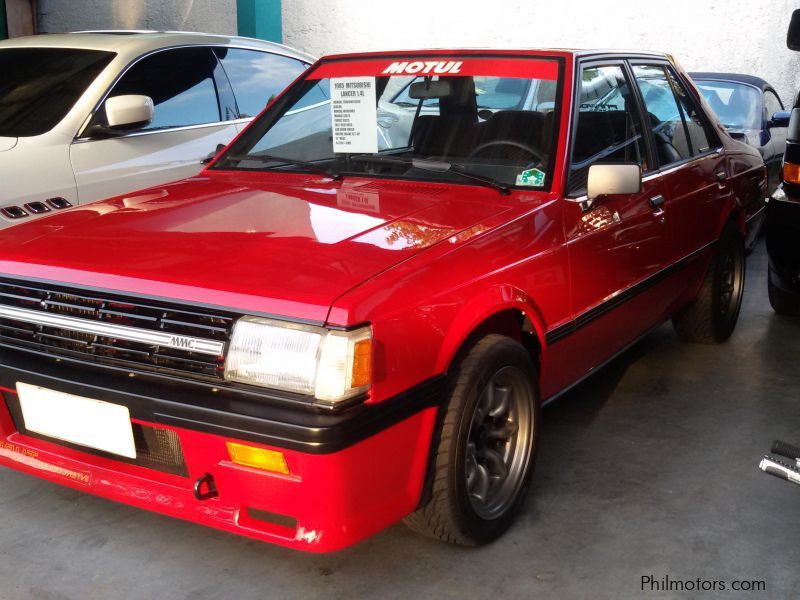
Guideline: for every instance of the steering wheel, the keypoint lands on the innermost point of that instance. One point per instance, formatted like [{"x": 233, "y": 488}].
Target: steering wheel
[{"x": 536, "y": 153}]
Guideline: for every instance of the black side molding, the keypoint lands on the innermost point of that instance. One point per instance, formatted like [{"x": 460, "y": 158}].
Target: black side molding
[{"x": 584, "y": 319}]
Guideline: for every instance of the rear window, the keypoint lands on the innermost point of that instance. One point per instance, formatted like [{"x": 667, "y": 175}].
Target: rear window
[{"x": 39, "y": 86}]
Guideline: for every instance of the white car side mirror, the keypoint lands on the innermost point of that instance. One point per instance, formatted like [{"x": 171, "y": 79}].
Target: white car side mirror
[
  {"x": 607, "y": 180},
  {"x": 129, "y": 110}
]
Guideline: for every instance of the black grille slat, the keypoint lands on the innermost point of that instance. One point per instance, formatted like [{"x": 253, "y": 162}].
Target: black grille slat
[
  {"x": 121, "y": 311},
  {"x": 127, "y": 315}
]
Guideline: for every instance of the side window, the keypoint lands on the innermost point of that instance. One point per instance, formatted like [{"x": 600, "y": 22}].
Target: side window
[
  {"x": 678, "y": 130},
  {"x": 181, "y": 84},
  {"x": 257, "y": 77},
  {"x": 312, "y": 98},
  {"x": 609, "y": 127},
  {"x": 772, "y": 103},
  {"x": 691, "y": 116}
]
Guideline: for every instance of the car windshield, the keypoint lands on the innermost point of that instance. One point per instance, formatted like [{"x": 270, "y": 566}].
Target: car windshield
[
  {"x": 737, "y": 105},
  {"x": 40, "y": 85},
  {"x": 488, "y": 119}
]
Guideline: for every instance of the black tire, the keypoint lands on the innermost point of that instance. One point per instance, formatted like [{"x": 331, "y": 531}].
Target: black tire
[
  {"x": 455, "y": 512},
  {"x": 782, "y": 302},
  {"x": 712, "y": 315}
]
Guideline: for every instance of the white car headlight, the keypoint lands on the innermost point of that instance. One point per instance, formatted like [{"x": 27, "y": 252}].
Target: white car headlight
[{"x": 331, "y": 365}]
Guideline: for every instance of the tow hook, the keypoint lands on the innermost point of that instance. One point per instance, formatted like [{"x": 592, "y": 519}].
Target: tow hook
[{"x": 207, "y": 482}]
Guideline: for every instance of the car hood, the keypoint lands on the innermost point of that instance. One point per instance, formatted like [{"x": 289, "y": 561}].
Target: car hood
[
  {"x": 286, "y": 245},
  {"x": 7, "y": 143}
]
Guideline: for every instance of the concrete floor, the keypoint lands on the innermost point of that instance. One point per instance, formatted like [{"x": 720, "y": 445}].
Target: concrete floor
[{"x": 647, "y": 468}]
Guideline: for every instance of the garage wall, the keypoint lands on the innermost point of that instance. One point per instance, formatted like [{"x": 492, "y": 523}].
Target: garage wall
[
  {"x": 213, "y": 16},
  {"x": 743, "y": 36}
]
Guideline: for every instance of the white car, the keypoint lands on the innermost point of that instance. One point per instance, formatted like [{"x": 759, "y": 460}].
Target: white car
[{"x": 89, "y": 115}]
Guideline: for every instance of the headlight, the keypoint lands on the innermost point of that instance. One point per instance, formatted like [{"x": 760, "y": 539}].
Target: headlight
[{"x": 331, "y": 365}]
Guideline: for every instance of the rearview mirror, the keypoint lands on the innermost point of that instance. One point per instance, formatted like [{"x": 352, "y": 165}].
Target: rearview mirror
[
  {"x": 607, "y": 180},
  {"x": 422, "y": 90},
  {"x": 131, "y": 110},
  {"x": 779, "y": 119},
  {"x": 793, "y": 35}
]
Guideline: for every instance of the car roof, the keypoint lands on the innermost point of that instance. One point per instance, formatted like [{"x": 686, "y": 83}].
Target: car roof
[
  {"x": 141, "y": 42},
  {"x": 554, "y": 52},
  {"x": 735, "y": 77}
]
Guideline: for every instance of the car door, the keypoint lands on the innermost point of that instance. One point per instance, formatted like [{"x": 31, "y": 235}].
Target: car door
[
  {"x": 194, "y": 112},
  {"x": 777, "y": 140},
  {"x": 689, "y": 155},
  {"x": 256, "y": 78},
  {"x": 617, "y": 244}
]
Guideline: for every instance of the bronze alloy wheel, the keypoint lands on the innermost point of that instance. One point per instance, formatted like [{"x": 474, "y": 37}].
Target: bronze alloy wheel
[
  {"x": 731, "y": 286},
  {"x": 486, "y": 448},
  {"x": 499, "y": 448}
]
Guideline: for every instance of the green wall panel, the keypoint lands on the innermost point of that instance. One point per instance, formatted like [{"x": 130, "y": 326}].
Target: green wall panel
[{"x": 260, "y": 19}]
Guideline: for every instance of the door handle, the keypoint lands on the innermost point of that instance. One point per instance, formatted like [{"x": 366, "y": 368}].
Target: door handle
[
  {"x": 656, "y": 201},
  {"x": 722, "y": 178}
]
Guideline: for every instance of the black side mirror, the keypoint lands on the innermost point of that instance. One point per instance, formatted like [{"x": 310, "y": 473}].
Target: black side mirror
[
  {"x": 793, "y": 35},
  {"x": 779, "y": 119}
]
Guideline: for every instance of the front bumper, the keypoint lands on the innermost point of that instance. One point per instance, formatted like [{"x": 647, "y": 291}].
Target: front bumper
[{"x": 351, "y": 474}]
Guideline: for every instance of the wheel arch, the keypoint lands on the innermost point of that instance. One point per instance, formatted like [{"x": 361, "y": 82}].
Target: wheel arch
[{"x": 502, "y": 309}]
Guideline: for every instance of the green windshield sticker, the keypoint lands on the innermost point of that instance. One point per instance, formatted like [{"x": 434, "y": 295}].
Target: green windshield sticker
[{"x": 531, "y": 177}]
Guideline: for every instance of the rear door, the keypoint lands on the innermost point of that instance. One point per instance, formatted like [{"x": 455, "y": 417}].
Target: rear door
[
  {"x": 194, "y": 112},
  {"x": 689, "y": 156},
  {"x": 618, "y": 244}
]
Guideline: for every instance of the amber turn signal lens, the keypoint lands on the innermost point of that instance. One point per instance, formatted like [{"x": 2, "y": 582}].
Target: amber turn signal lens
[
  {"x": 258, "y": 458},
  {"x": 791, "y": 173},
  {"x": 362, "y": 364}
]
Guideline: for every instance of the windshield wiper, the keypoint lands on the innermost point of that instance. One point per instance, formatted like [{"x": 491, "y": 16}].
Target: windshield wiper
[
  {"x": 436, "y": 166},
  {"x": 289, "y": 161}
]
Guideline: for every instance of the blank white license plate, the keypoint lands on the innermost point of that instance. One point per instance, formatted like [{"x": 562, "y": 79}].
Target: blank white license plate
[{"x": 83, "y": 421}]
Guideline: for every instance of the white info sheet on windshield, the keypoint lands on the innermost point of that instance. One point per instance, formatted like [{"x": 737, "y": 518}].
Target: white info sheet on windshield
[{"x": 354, "y": 114}]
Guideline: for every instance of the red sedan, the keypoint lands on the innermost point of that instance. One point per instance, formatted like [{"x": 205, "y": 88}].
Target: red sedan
[{"x": 355, "y": 313}]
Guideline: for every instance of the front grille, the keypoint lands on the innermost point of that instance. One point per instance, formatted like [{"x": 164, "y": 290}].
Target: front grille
[{"x": 180, "y": 326}]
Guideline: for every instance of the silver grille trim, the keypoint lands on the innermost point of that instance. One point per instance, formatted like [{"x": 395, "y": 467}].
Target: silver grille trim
[{"x": 121, "y": 332}]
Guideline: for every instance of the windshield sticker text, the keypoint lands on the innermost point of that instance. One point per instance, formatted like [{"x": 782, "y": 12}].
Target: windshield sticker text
[
  {"x": 354, "y": 114},
  {"x": 438, "y": 67}
]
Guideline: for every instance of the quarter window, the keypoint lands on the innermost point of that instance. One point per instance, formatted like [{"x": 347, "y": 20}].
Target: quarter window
[
  {"x": 678, "y": 129},
  {"x": 609, "y": 127},
  {"x": 257, "y": 77},
  {"x": 181, "y": 84}
]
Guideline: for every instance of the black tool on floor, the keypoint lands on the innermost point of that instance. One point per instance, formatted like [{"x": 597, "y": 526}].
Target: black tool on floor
[{"x": 777, "y": 467}]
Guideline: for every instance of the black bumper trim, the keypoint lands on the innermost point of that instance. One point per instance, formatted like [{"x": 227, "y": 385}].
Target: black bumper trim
[{"x": 236, "y": 416}]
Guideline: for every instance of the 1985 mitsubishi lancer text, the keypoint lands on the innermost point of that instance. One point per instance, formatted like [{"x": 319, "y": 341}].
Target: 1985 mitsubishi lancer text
[{"x": 354, "y": 314}]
